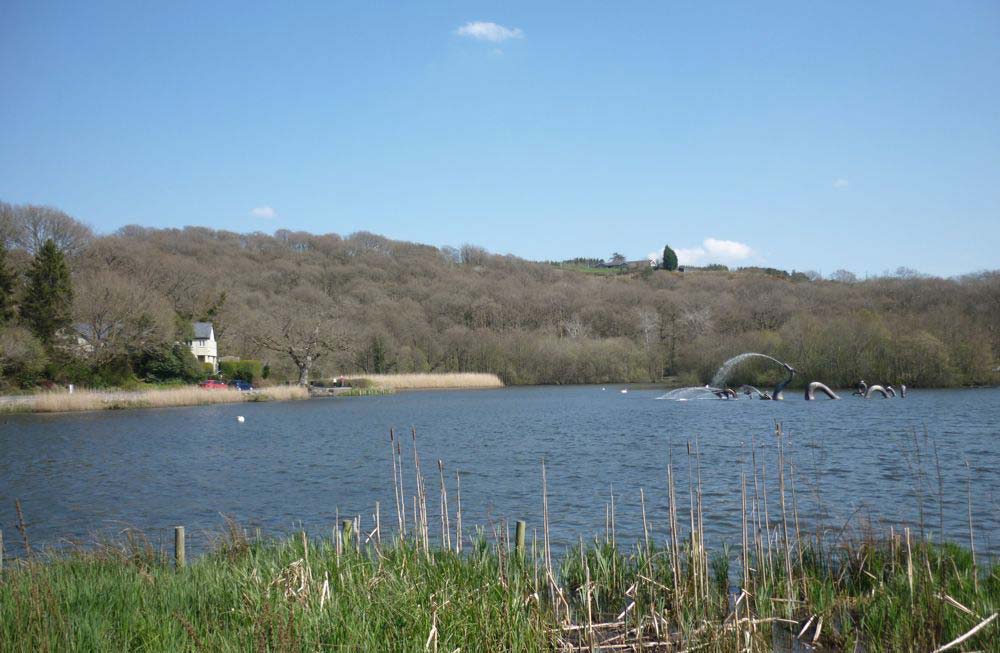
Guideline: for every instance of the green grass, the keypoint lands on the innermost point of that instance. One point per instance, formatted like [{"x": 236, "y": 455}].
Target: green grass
[
  {"x": 256, "y": 596},
  {"x": 269, "y": 596}
]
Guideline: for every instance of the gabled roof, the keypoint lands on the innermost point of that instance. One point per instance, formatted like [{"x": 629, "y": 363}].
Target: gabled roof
[
  {"x": 203, "y": 331},
  {"x": 86, "y": 331}
]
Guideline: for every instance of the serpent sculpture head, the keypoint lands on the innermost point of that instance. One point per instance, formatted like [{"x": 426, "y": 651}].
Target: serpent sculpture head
[{"x": 781, "y": 386}]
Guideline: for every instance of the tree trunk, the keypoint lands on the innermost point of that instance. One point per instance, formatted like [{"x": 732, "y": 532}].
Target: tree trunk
[{"x": 304, "y": 371}]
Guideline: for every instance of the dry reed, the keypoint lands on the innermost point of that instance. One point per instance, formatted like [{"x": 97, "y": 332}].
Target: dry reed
[
  {"x": 83, "y": 400},
  {"x": 432, "y": 381}
]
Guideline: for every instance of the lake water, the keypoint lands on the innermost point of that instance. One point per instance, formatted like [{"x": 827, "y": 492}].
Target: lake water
[{"x": 300, "y": 464}]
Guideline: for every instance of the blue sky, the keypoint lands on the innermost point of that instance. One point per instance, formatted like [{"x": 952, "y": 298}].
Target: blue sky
[{"x": 816, "y": 136}]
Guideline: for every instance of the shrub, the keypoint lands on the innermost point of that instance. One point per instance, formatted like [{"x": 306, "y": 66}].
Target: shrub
[
  {"x": 22, "y": 357},
  {"x": 244, "y": 370},
  {"x": 169, "y": 362}
]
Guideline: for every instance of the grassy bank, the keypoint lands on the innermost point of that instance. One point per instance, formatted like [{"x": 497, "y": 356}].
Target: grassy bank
[
  {"x": 58, "y": 402},
  {"x": 452, "y": 381},
  {"x": 417, "y": 580},
  {"x": 372, "y": 594}
]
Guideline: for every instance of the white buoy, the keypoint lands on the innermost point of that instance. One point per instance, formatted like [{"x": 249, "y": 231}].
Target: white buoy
[
  {"x": 603, "y": 389},
  {"x": 624, "y": 391},
  {"x": 241, "y": 419}
]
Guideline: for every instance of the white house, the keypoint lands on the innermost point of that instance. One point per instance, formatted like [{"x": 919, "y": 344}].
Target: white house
[{"x": 204, "y": 347}]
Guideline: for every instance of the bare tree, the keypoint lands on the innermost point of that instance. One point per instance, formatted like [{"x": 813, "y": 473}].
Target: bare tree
[
  {"x": 473, "y": 255},
  {"x": 844, "y": 276},
  {"x": 8, "y": 226},
  {"x": 300, "y": 331},
  {"x": 116, "y": 316},
  {"x": 30, "y": 226},
  {"x": 649, "y": 326},
  {"x": 574, "y": 327}
]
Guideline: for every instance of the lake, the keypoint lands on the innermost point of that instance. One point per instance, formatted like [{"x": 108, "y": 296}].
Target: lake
[{"x": 301, "y": 464}]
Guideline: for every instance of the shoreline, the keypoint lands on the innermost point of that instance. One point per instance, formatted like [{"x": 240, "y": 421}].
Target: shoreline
[
  {"x": 53, "y": 402},
  {"x": 99, "y": 400}
]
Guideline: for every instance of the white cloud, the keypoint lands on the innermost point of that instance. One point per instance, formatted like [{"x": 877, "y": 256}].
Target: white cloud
[
  {"x": 690, "y": 256},
  {"x": 841, "y": 183},
  {"x": 483, "y": 31},
  {"x": 713, "y": 250},
  {"x": 264, "y": 212},
  {"x": 728, "y": 249}
]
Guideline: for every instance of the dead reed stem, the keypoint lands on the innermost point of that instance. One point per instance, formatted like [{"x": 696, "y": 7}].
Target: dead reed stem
[
  {"x": 795, "y": 512},
  {"x": 675, "y": 530},
  {"x": 767, "y": 517},
  {"x": 743, "y": 522},
  {"x": 445, "y": 523},
  {"x": 784, "y": 515},
  {"x": 695, "y": 556},
  {"x": 22, "y": 528},
  {"x": 547, "y": 552},
  {"x": 458, "y": 513},
  {"x": 972, "y": 539},
  {"x": 402, "y": 492},
  {"x": 702, "y": 551},
  {"x": 758, "y": 542},
  {"x": 396, "y": 484}
]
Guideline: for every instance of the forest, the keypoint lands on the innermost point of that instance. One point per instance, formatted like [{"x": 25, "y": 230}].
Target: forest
[{"x": 114, "y": 310}]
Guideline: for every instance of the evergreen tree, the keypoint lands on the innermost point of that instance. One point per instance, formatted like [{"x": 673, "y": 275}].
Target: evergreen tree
[
  {"x": 669, "y": 258},
  {"x": 49, "y": 295},
  {"x": 6, "y": 288}
]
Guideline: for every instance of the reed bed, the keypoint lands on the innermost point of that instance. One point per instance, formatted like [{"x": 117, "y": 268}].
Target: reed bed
[
  {"x": 82, "y": 400},
  {"x": 374, "y": 391},
  {"x": 418, "y": 579},
  {"x": 453, "y": 381}
]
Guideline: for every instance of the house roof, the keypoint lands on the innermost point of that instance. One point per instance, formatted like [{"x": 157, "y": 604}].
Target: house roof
[
  {"x": 84, "y": 330},
  {"x": 203, "y": 330},
  {"x": 87, "y": 332}
]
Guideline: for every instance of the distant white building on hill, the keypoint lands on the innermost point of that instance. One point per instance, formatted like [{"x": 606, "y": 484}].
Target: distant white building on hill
[{"x": 204, "y": 346}]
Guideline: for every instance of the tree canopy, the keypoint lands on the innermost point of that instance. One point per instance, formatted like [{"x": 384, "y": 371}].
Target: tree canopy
[
  {"x": 48, "y": 299},
  {"x": 313, "y": 306},
  {"x": 7, "y": 280},
  {"x": 669, "y": 258}
]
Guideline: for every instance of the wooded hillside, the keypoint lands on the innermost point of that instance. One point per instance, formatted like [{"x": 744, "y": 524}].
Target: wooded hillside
[{"x": 366, "y": 303}]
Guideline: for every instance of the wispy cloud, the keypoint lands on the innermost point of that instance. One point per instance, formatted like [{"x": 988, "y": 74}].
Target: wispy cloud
[
  {"x": 263, "y": 212},
  {"x": 492, "y": 32},
  {"x": 841, "y": 183},
  {"x": 713, "y": 250}
]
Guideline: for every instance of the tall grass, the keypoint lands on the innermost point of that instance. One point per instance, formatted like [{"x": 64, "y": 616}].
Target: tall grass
[
  {"x": 452, "y": 380},
  {"x": 81, "y": 400},
  {"x": 426, "y": 585}
]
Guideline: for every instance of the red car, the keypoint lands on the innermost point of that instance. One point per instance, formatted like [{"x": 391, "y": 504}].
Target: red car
[{"x": 212, "y": 384}]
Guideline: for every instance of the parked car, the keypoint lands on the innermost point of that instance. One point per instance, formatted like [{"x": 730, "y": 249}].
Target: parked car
[
  {"x": 241, "y": 385},
  {"x": 212, "y": 384}
]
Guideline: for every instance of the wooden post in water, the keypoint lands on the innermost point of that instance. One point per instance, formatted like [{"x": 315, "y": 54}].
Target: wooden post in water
[
  {"x": 179, "y": 547},
  {"x": 519, "y": 538},
  {"x": 347, "y": 525}
]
